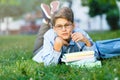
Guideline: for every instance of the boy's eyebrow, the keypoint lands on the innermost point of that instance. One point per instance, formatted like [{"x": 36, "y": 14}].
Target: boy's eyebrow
[{"x": 62, "y": 24}]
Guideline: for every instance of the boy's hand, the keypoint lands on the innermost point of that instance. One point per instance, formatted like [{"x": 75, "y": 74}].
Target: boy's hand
[
  {"x": 59, "y": 42},
  {"x": 80, "y": 37}
]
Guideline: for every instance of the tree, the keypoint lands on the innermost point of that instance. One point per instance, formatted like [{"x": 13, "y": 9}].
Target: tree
[
  {"x": 100, "y": 7},
  {"x": 16, "y": 8}
]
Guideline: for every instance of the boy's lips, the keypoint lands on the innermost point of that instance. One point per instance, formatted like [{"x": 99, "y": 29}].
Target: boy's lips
[{"x": 64, "y": 34}]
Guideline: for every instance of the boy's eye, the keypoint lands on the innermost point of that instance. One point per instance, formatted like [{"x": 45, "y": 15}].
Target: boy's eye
[
  {"x": 66, "y": 25},
  {"x": 59, "y": 26}
]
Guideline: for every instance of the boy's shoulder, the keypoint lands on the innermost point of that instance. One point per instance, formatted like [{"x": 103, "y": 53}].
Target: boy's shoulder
[{"x": 50, "y": 32}]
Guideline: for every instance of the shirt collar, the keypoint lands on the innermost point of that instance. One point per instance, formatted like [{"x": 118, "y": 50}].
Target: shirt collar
[{"x": 71, "y": 42}]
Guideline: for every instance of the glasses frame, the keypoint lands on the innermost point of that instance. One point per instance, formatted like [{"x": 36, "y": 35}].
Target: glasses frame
[{"x": 66, "y": 26}]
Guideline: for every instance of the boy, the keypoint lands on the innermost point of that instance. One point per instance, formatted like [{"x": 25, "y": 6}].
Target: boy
[{"x": 63, "y": 38}]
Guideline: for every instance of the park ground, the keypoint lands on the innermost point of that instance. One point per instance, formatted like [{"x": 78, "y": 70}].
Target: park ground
[{"x": 16, "y": 62}]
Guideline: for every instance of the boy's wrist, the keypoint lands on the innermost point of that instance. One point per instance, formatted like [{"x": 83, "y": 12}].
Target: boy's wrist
[
  {"x": 57, "y": 49},
  {"x": 88, "y": 43}
]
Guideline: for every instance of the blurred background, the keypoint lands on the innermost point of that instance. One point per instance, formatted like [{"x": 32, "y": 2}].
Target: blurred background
[{"x": 25, "y": 16}]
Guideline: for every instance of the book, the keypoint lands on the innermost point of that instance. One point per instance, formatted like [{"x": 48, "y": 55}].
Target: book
[
  {"x": 81, "y": 59},
  {"x": 77, "y": 56}
]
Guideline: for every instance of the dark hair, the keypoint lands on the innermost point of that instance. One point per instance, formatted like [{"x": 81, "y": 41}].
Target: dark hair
[{"x": 64, "y": 12}]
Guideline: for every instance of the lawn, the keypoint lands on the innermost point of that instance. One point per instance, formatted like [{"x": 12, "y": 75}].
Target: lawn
[{"x": 16, "y": 62}]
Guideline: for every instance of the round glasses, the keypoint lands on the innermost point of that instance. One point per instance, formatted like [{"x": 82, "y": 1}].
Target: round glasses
[{"x": 66, "y": 26}]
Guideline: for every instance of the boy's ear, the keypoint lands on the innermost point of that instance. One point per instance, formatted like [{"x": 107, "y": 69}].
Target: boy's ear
[
  {"x": 73, "y": 25},
  {"x": 54, "y": 28}
]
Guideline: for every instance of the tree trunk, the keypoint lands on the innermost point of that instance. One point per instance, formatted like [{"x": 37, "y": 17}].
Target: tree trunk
[
  {"x": 101, "y": 25},
  {"x": 0, "y": 26},
  {"x": 7, "y": 25},
  {"x": 70, "y": 3}
]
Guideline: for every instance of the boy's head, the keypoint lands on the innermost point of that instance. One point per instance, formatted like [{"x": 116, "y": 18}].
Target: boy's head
[
  {"x": 63, "y": 22},
  {"x": 64, "y": 12}
]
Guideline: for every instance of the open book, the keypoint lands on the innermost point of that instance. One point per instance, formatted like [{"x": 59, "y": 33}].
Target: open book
[{"x": 84, "y": 58}]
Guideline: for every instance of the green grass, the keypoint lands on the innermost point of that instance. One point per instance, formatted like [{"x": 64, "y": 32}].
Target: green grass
[{"x": 16, "y": 62}]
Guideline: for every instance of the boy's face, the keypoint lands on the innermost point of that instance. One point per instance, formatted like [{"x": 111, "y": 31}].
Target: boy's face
[{"x": 63, "y": 28}]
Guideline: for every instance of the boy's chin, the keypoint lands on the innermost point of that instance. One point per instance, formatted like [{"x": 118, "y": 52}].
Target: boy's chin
[{"x": 66, "y": 38}]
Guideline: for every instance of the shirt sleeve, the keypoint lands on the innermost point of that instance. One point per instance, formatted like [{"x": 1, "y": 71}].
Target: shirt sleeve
[
  {"x": 86, "y": 48},
  {"x": 50, "y": 56},
  {"x": 91, "y": 41}
]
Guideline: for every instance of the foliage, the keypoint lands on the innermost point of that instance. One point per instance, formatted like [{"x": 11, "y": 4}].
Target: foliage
[
  {"x": 16, "y": 62},
  {"x": 113, "y": 19},
  {"x": 99, "y": 7},
  {"x": 10, "y": 10},
  {"x": 16, "y": 8}
]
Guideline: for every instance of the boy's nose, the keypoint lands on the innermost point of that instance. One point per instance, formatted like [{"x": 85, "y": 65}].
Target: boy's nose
[{"x": 63, "y": 28}]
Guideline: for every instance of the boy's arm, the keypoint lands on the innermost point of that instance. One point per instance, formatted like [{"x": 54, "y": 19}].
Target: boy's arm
[
  {"x": 39, "y": 40},
  {"x": 49, "y": 54}
]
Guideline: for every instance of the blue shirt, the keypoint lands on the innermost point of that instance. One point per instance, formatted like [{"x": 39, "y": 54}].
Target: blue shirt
[{"x": 48, "y": 55}]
